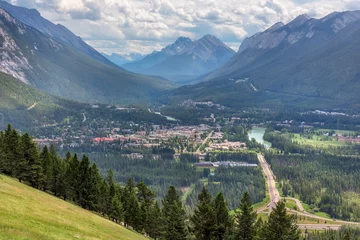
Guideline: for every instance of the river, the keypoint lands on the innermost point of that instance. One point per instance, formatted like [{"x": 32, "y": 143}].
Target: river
[{"x": 258, "y": 133}]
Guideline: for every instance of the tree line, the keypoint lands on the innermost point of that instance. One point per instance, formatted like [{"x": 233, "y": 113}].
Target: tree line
[{"x": 134, "y": 204}]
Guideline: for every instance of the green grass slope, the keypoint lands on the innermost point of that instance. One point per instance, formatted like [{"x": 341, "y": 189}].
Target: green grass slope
[{"x": 26, "y": 213}]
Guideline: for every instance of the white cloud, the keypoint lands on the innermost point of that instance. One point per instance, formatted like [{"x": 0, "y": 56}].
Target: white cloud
[{"x": 137, "y": 25}]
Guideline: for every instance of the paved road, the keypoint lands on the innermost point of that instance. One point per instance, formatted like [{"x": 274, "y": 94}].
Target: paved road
[
  {"x": 275, "y": 198},
  {"x": 319, "y": 226},
  {"x": 273, "y": 192},
  {"x": 298, "y": 204}
]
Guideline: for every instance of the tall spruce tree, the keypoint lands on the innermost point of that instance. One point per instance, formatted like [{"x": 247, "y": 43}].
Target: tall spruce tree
[
  {"x": 155, "y": 222},
  {"x": 223, "y": 220},
  {"x": 204, "y": 219},
  {"x": 47, "y": 168},
  {"x": 2, "y": 153},
  {"x": 174, "y": 216},
  {"x": 146, "y": 198},
  {"x": 281, "y": 226},
  {"x": 245, "y": 220},
  {"x": 11, "y": 156},
  {"x": 71, "y": 178},
  {"x": 29, "y": 166}
]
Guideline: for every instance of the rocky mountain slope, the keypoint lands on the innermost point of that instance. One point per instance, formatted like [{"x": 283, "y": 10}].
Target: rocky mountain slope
[
  {"x": 46, "y": 63},
  {"x": 306, "y": 58},
  {"x": 33, "y": 18}
]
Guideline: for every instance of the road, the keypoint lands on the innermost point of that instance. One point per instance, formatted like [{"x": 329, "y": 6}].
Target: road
[
  {"x": 273, "y": 192},
  {"x": 84, "y": 120},
  {"x": 205, "y": 140},
  {"x": 275, "y": 198},
  {"x": 319, "y": 226},
  {"x": 298, "y": 204},
  {"x": 32, "y": 106},
  {"x": 253, "y": 87}
]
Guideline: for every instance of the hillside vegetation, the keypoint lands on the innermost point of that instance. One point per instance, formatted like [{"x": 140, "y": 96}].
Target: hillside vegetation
[
  {"x": 25, "y": 106},
  {"x": 27, "y": 213}
]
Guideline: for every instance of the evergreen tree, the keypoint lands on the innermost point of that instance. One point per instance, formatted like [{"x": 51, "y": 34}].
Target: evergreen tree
[
  {"x": 2, "y": 153},
  {"x": 223, "y": 220},
  {"x": 245, "y": 219},
  {"x": 174, "y": 216},
  {"x": 29, "y": 166},
  {"x": 281, "y": 226},
  {"x": 146, "y": 198},
  {"x": 84, "y": 196},
  {"x": 47, "y": 168},
  {"x": 71, "y": 178},
  {"x": 204, "y": 219},
  {"x": 155, "y": 222},
  {"x": 10, "y": 143},
  {"x": 103, "y": 197}
]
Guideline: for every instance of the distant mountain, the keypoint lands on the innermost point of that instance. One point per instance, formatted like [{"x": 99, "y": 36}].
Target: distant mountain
[
  {"x": 185, "y": 59},
  {"x": 32, "y": 17},
  {"x": 122, "y": 59},
  {"x": 159, "y": 56},
  {"x": 308, "y": 58},
  {"x": 51, "y": 65}
]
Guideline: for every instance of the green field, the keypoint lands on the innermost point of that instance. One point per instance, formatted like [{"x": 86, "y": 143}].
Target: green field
[
  {"x": 317, "y": 141},
  {"x": 26, "y": 213}
]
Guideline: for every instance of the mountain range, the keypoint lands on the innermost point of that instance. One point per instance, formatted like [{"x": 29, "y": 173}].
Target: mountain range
[
  {"x": 311, "y": 61},
  {"x": 40, "y": 54},
  {"x": 120, "y": 60},
  {"x": 185, "y": 59}
]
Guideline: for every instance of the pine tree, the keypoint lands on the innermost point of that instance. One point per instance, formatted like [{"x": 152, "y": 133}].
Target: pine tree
[
  {"x": 245, "y": 219},
  {"x": 29, "y": 166},
  {"x": 103, "y": 197},
  {"x": 2, "y": 153},
  {"x": 47, "y": 168},
  {"x": 146, "y": 198},
  {"x": 71, "y": 178},
  {"x": 204, "y": 219},
  {"x": 11, "y": 141},
  {"x": 132, "y": 212},
  {"x": 155, "y": 222},
  {"x": 281, "y": 226},
  {"x": 84, "y": 182},
  {"x": 57, "y": 171},
  {"x": 223, "y": 220},
  {"x": 174, "y": 216}
]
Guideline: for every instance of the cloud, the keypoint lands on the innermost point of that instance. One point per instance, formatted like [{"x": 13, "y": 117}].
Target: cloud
[{"x": 146, "y": 25}]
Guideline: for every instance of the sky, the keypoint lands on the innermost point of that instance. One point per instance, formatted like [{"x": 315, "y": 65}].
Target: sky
[{"x": 124, "y": 26}]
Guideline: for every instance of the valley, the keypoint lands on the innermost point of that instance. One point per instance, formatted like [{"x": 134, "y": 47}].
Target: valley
[{"x": 159, "y": 129}]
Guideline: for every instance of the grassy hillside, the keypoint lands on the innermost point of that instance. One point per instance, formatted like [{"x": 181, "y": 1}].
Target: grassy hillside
[
  {"x": 26, "y": 213},
  {"x": 23, "y": 105}
]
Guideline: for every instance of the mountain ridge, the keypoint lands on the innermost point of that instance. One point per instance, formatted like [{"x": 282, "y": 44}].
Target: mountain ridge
[
  {"x": 185, "y": 59},
  {"x": 306, "y": 58},
  {"x": 48, "y": 64},
  {"x": 33, "y": 18}
]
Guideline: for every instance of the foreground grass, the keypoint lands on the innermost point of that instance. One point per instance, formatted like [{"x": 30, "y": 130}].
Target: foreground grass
[{"x": 26, "y": 213}]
